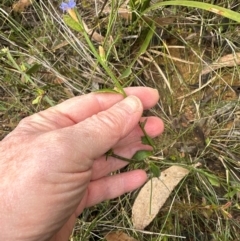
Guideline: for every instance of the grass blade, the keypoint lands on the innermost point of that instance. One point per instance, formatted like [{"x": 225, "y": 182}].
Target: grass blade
[{"x": 205, "y": 6}]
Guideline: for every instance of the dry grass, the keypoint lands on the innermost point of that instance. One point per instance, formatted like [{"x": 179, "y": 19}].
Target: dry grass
[{"x": 45, "y": 63}]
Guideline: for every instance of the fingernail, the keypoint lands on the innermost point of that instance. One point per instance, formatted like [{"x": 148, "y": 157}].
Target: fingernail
[{"x": 132, "y": 104}]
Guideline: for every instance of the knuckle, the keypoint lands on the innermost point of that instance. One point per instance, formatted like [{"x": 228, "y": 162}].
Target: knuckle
[{"x": 114, "y": 121}]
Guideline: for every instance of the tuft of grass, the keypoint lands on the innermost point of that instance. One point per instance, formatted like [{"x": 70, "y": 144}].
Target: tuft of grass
[{"x": 44, "y": 62}]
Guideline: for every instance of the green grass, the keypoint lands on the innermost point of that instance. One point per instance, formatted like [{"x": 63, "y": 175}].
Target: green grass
[{"x": 44, "y": 62}]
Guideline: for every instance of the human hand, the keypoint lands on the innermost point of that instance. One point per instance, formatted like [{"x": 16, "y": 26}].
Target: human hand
[{"x": 52, "y": 165}]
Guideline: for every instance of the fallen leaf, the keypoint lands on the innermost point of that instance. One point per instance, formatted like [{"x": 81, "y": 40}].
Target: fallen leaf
[
  {"x": 21, "y": 5},
  {"x": 118, "y": 236},
  {"x": 228, "y": 60},
  {"x": 123, "y": 12},
  {"x": 154, "y": 194}
]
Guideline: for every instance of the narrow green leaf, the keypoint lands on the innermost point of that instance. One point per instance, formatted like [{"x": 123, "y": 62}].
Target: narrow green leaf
[
  {"x": 142, "y": 155},
  {"x": 126, "y": 72},
  {"x": 147, "y": 40},
  {"x": 33, "y": 69},
  {"x": 212, "y": 179},
  {"x": 142, "y": 50},
  {"x": 49, "y": 101},
  {"x": 231, "y": 194},
  {"x": 2, "y": 108},
  {"x": 154, "y": 169},
  {"x": 72, "y": 23},
  {"x": 108, "y": 91},
  {"x": 146, "y": 139},
  {"x": 145, "y": 4},
  {"x": 207, "y": 141},
  {"x": 195, "y": 4}
]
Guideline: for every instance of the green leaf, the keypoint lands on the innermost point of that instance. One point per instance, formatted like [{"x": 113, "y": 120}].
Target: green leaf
[
  {"x": 37, "y": 100},
  {"x": 33, "y": 69},
  {"x": 147, "y": 40},
  {"x": 195, "y": 4},
  {"x": 142, "y": 155},
  {"x": 108, "y": 91},
  {"x": 126, "y": 72},
  {"x": 145, "y": 4},
  {"x": 142, "y": 50},
  {"x": 2, "y": 108},
  {"x": 49, "y": 101},
  {"x": 207, "y": 141},
  {"x": 72, "y": 23},
  {"x": 146, "y": 139},
  {"x": 231, "y": 194},
  {"x": 212, "y": 179},
  {"x": 40, "y": 92},
  {"x": 173, "y": 158},
  {"x": 154, "y": 169}
]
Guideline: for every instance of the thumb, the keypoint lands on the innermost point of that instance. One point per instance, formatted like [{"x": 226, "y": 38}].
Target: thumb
[{"x": 97, "y": 134}]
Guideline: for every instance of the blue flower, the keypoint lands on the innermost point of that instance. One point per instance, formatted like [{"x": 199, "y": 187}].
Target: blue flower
[{"x": 67, "y": 6}]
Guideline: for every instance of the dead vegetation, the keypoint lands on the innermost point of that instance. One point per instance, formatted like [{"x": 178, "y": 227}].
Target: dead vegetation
[{"x": 193, "y": 61}]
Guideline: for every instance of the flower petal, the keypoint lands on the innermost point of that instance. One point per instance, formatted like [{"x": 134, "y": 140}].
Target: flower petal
[
  {"x": 64, "y": 6},
  {"x": 67, "y": 6},
  {"x": 72, "y": 3}
]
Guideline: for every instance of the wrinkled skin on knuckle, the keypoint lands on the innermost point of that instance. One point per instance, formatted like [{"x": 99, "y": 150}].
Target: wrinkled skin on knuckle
[
  {"x": 26, "y": 122},
  {"x": 113, "y": 122},
  {"x": 39, "y": 122}
]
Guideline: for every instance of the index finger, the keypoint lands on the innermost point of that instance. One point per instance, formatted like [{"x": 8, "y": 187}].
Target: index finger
[
  {"x": 79, "y": 108},
  {"x": 97, "y": 102}
]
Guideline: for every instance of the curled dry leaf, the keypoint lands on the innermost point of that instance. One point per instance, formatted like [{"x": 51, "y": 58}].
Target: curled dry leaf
[
  {"x": 228, "y": 60},
  {"x": 21, "y": 5},
  {"x": 118, "y": 236},
  {"x": 123, "y": 12},
  {"x": 154, "y": 194}
]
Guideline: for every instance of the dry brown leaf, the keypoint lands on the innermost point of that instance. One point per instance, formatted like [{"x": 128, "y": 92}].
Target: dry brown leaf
[
  {"x": 96, "y": 36},
  {"x": 154, "y": 194},
  {"x": 118, "y": 236},
  {"x": 123, "y": 12},
  {"x": 228, "y": 60},
  {"x": 21, "y": 5}
]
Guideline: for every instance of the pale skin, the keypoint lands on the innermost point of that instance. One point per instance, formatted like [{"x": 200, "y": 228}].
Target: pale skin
[{"x": 52, "y": 165}]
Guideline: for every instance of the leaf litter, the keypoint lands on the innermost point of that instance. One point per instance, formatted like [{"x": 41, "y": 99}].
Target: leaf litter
[
  {"x": 118, "y": 236},
  {"x": 154, "y": 194},
  {"x": 206, "y": 131},
  {"x": 21, "y": 5}
]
